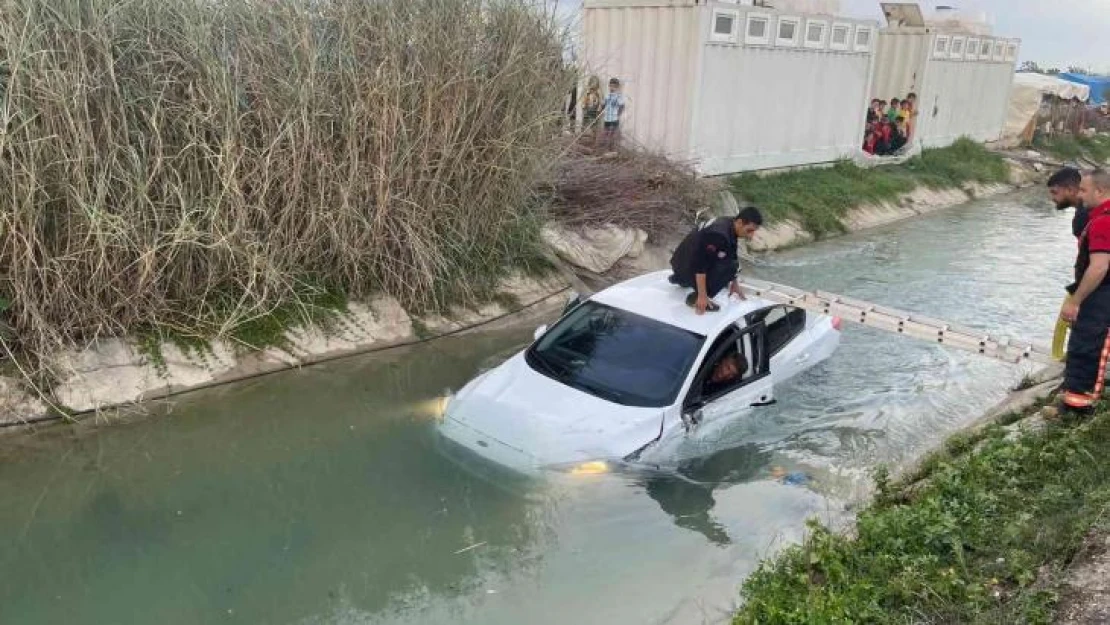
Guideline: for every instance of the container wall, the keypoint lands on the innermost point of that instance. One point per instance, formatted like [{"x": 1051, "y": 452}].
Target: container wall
[
  {"x": 899, "y": 63},
  {"x": 965, "y": 94},
  {"x": 653, "y": 51},
  {"x": 770, "y": 102}
]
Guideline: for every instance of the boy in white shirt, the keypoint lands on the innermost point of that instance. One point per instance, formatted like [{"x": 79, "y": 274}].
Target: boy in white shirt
[{"x": 613, "y": 109}]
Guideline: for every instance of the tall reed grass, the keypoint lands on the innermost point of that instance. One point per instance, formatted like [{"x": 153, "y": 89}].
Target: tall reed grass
[{"x": 196, "y": 164}]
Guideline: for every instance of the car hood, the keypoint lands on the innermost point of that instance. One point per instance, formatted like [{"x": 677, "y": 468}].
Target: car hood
[{"x": 550, "y": 422}]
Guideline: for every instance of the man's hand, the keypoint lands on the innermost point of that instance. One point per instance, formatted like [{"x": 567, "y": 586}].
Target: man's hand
[
  {"x": 701, "y": 304},
  {"x": 1069, "y": 312},
  {"x": 734, "y": 289}
]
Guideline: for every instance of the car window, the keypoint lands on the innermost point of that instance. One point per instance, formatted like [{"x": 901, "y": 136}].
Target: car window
[
  {"x": 731, "y": 363},
  {"x": 616, "y": 355},
  {"x": 783, "y": 324}
]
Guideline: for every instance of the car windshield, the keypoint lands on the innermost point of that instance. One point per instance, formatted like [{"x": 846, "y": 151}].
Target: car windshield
[{"x": 616, "y": 355}]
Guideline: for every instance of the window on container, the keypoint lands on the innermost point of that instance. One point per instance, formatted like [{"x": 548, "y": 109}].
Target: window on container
[
  {"x": 815, "y": 34},
  {"x": 863, "y": 39},
  {"x": 724, "y": 26},
  {"x": 940, "y": 48},
  {"x": 759, "y": 28},
  {"x": 957, "y": 50},
  {"x": 840, "y": 35},
  {"x": 788, "y": 31},
  {"x": 972, "y": 48}
]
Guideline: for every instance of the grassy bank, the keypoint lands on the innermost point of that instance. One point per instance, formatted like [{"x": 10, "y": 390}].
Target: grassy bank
[
  {"x": 982, "y": 538},
  {"x": 820, "y": 198},
  {"x": 218, "y": 168},
  {"x": 1071, "y": 148}
]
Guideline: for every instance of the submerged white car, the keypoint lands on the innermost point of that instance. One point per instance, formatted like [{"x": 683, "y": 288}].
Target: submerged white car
[{"x": 631, "y": 368}]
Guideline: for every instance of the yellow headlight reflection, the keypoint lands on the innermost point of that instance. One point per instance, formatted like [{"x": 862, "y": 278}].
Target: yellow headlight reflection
[
  {"x": 594, "y": 467},
  {"x": 433, "y": 409}
]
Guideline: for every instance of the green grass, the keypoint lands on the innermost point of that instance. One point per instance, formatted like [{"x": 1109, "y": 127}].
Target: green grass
[
  {"x": 820, "y": 198},
  {"x": 982, "y": 540},
  {"x": 317, "y": 306},
  {"x": 1070, "y": 148}
]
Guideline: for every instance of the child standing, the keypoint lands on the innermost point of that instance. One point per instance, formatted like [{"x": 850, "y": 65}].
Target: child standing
[
  {"x": 614, "y": 108},
  {"x": 894, "y": 111},
  {"x": 591, "y": 106},
  {"x": 907, "y": 119}
]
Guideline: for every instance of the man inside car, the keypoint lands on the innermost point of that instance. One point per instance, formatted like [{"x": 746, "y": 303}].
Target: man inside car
[{"x": 728, "y": 371}]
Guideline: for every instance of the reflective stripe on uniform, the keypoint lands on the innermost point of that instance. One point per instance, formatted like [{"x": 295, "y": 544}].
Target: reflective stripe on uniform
[
  {"x": 1086, "y": 400},
  {"x": 1100, "y": 381}
]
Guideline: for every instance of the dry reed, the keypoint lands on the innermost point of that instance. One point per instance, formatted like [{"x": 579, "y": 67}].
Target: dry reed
[
  {"x": 633, "y": 188},
  {"x": 193, "y": 165}
]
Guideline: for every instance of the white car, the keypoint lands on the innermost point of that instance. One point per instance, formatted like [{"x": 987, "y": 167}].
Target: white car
[{"x": 628, "y": 369}]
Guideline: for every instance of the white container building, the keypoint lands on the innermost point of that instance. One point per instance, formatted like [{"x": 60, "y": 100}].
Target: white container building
[
  {"x": 734, "y": 87},
  {"x": 961, "y": 76}
]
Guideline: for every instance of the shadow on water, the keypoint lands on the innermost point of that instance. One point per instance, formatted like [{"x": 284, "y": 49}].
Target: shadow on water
[{"x": 687, "y": 493}]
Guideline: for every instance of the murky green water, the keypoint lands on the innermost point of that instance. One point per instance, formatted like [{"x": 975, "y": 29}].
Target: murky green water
[{"x": 319, "y": 496}]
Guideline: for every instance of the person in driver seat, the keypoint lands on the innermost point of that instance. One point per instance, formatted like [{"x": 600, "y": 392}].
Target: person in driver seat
[{"x": 728, "y": 370}]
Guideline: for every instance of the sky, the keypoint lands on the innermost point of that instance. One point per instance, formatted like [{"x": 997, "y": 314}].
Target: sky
[{"x": 1052, "y": 32}]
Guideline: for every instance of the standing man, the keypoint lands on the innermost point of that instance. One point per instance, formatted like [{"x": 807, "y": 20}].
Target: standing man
[
  {"x": 1063, "y": 188},
  {"x": 707, "y": 259},
  {"x": 1088, "y": 309}
]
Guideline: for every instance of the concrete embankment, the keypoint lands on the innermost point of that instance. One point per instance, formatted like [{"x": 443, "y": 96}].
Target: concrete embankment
[{"x": 120, "y": 371}]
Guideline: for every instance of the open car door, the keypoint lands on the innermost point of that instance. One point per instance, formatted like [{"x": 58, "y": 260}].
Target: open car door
[{"x": 735, "y": 376}]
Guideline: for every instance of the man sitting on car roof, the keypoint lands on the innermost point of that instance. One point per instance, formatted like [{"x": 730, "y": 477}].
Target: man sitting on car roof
[{"x": 707, "y": 258}]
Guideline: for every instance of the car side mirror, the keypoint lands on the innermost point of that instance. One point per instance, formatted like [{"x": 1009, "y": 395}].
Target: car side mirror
[
  {"x": 573, "y": 300},
  {"x": 539, "y": 332},
  {"x": 691, "y": 417}
]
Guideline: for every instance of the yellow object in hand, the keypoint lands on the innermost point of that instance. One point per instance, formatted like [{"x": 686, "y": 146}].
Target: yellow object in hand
[{"x": 1060, "y": 336}]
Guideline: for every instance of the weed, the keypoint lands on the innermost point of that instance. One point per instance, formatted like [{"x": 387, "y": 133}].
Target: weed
[
  {"x": 968, "y": 548},
  {"x": 820, "y": 198},
  {"x": 507, "y": 301},
  {"x": 421, "y": 329},
  {"x": 313, "y": 305},
  {"x": 1072, "y": 148}
]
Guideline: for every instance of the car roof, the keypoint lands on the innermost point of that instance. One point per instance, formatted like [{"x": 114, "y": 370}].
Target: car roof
[{"x": 653, "y": 296}]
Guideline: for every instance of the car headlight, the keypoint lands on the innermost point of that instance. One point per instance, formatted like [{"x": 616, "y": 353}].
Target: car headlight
[
  {"x": 443, "y": 403},
  {"x": 590, "y": 467},
  {"x": 434, "y": 409}
]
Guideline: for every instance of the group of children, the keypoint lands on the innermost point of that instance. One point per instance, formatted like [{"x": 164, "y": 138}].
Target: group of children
[
  {"x": 890, "y": 126},
  {"x": 609, "y": 108}
]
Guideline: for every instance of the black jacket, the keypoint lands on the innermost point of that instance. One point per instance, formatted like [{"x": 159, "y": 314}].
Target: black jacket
[{"x": 706, "y": 247}]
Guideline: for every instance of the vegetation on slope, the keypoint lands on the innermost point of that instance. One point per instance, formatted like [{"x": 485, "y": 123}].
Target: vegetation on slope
[
  {"x": 982, "y": 539},
  {"x": 206, "y": 167},
  {"x": 820, "y": 198},
  {"x": 1072, "y": 148}
]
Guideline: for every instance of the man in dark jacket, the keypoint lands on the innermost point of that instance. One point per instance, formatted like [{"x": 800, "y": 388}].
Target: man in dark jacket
[
  {"x": 707, "y": 259},
  {"x": 1063, "y": 187}
]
